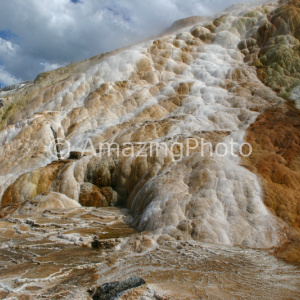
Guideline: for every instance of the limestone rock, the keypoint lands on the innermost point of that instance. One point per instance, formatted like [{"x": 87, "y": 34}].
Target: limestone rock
[
  {"x": 144, "y": 125},
  {"x": 31, "y": 184},
  {"x": 196, "y": 84},
  {"x": 91, "y": 195},
  {"x": 50, "y": 200},
  {"x": 277, "y": 53},
  {"x": 275, "y": 137}
]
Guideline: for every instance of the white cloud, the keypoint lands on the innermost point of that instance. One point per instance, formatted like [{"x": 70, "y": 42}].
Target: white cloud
[
  {"x": 53, "y": 33},
  {"x": 48, "y": 67},
  {"x": 7, "y": 78}
]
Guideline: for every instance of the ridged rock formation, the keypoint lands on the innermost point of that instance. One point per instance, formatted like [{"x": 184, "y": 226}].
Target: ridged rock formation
[
  {"x": 187, "y": 211},
  {"x": 274, "y": 48},
  {"x": 203, "y": 84},
  {"x": 275, "y": 138}
]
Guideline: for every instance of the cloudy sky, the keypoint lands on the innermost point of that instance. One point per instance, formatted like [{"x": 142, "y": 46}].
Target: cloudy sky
[{"x": 40, "y": 35}]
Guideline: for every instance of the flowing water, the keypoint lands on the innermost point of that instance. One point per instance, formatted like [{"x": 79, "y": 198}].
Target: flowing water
[{"x": 50, "y": 256}]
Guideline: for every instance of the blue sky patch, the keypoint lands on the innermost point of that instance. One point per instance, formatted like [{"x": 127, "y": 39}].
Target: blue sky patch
[{"x": 7, "y": 35}]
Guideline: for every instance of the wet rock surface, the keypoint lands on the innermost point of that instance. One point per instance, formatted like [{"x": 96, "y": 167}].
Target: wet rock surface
[
  {"x": 275, "y": 137},
  {"x": 192, "y": 84},
  {"x": 196, "y": 218},
  {"x": 50, "y": 256}
]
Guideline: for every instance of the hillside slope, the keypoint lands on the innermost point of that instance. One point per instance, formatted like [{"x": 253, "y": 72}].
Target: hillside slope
[
  {"x": 209, "y": 83},
  {"x": 198, "y": 193}
]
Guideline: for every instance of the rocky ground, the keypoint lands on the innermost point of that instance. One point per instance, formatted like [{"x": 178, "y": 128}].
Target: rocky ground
[{"x": 65, "y": 254}]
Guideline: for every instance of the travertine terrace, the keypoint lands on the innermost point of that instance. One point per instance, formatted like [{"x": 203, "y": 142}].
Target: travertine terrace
[{"x": 233, "y": 78}]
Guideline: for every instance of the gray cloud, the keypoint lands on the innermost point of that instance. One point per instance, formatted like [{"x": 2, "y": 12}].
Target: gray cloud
[{"x": 46, "y": 34}]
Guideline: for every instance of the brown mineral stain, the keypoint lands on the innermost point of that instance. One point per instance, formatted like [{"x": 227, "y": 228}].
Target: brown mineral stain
[{"x": 275, "y": 139}]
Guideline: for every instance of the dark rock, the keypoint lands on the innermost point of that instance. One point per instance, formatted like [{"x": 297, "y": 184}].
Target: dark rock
[
  {"x": 114, "y": 290},
  {"x": 14, "y": 86},
  {"x": 103, "y": 244},
  {"x": 9, "y": 88},
  {"x": 77, "y": 154},
  {"x": 96, "y": 243}
]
